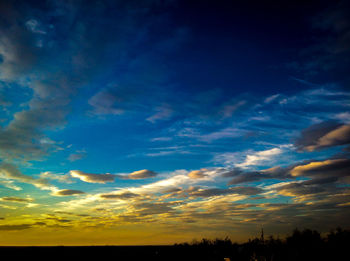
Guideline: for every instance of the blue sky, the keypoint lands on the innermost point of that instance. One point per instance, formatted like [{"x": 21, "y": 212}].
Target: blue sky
[{"x": 201, "y": 118}]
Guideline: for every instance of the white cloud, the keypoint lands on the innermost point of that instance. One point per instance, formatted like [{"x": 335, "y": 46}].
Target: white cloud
[
  {"x": 259, "y": 157},
  {"x": 250, "y": 158}
]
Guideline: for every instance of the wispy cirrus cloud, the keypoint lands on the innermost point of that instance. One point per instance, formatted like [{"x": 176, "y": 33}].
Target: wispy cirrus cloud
[
  {"x": 105, "y": 102},
  {"x": 162, "y": 113}
]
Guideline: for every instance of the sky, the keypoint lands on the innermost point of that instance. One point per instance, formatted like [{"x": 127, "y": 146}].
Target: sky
[{"x": 160, "y": 121}]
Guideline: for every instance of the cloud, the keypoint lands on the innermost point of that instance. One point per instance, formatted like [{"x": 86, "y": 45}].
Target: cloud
[
  {"x": 22, "y": 59},
  {"x": 164, "y": 151},
  {"x": 105, "y": 102},
  {"x": 124, "y": 195},
  {"x": 9, "y": 184},
  {"x": 15, "y": 227},
  {"x": 198, "y": 174},
  {"x": 162, "y": 113},
  {"x": 147, "y": 209},
  {"x": 246, "y": 190},
  {"x": 29, "y": 47},
  {"x": 230, "y": 109},
  {"x": 77, "y": 156},
  {"x": 161, "y": 139},
  {"x": 198, "y": 192},
  {"x": 9, "y": 171},
  {"x": 261, "y": 157},
  {"x": 164, "y": 184},
  {"x": 17, "y": 199},
  {"x": 67, "y": 192},
  {"x": 271, "y": 98},
  {"x": 298, "y": 189},
  {"x": 249, "y": 158},
  {"x": 34, "y": 26},
  {"x": 222, "y": 134},
  {"x": 343, "y": 116},
  {"x": 232, "y": 173},
  {"x": 140, "y": 174},
  {"x": 248, "y": 177},
  {"x": 339, "y": 136},
  {"x": 92, "y": 178},
  {"x": 240, "y": 176},
  {"x": 323, "y": 135},
  {"x": 59, "y": 177},
  {"x": 321, "y": 172},
  {"x": 321, "y": 169}
]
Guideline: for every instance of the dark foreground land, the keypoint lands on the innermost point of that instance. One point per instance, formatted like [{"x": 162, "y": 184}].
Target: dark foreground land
[{"x": 301, "y": 245}]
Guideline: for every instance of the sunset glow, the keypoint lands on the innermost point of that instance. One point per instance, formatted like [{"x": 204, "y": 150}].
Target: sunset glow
[{"x": 156, "y": 122}]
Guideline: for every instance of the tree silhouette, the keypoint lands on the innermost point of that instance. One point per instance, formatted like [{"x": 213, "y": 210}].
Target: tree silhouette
[{"x": 300, "y": 245}]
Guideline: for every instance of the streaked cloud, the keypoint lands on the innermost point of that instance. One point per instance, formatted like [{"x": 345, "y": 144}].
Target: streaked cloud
[
  {"x": 140, "y": 174},
  {"x": 324, "y": 135},
  {"x": 229, "y": 109},
  {"x": 222, "y": 134},
  {"x": 10, "y": 184},
  {"x": 91, "y": 177},
  {"x": 9, "y": 171},
  {"x": 14, "y": 227},
  {"x": 63, "y": 178},
  {"x": 124, "y": 195},
  {"x": 271, "y": 98},
  {"x": 17, "y": 199},
  {"x": 329, "y": 168},
  {"x": 67, "y": 192}
]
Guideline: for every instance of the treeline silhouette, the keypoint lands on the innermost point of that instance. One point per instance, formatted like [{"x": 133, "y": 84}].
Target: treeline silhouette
[{"x": 300, "y": 245}]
